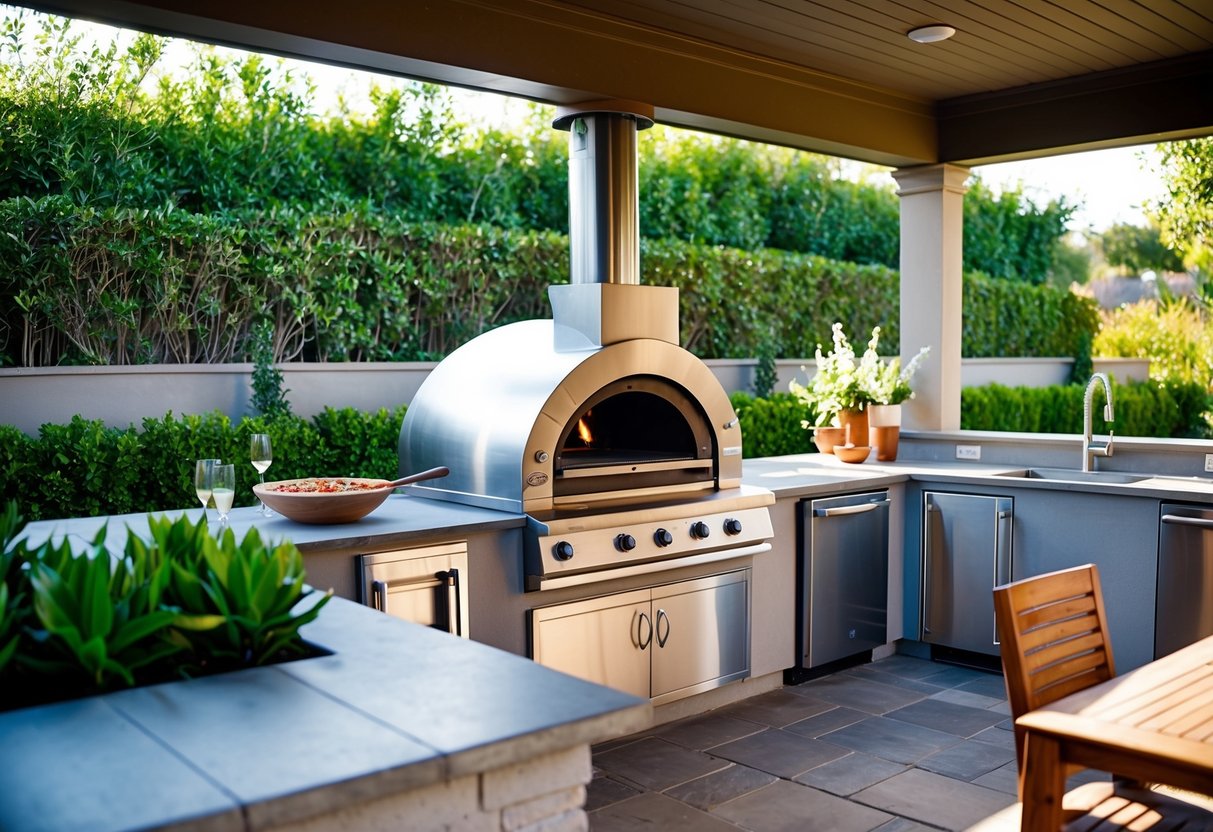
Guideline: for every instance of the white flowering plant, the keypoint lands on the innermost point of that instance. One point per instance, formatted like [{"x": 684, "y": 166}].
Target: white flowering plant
[{"x": 844, "y": 381}]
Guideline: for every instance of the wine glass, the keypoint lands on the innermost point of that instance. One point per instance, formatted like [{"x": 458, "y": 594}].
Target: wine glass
[
  {"x": 204, "y": 481},
  {"x": 223, "y": 491},
  {"x": 261, "y": 454}
]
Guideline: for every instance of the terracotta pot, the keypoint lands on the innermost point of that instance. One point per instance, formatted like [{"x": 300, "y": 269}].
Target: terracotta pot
[
  {"x": 826, "y": 438},
  {"x": 858, "y": 422},
  {"x": 884, "y": 439}
]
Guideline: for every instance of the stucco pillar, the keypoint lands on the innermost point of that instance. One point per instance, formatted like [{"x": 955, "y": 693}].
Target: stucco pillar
[{"x": 932, "y": 220}]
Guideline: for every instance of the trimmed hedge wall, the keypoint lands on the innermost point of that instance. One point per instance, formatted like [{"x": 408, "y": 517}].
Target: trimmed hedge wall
[
  {"x": 114, "y": 286},
  {"x": 84, "y": 468}
]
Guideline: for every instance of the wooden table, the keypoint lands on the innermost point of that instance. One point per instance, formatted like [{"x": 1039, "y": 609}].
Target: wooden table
[{"x": 1154, "y": 724}]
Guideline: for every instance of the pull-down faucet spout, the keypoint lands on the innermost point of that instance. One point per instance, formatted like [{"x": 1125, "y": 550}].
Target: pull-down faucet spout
[{"x": 1091, "y": 448}]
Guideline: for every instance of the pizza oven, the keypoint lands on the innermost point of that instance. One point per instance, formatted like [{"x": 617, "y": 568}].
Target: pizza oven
[{"x": 619, "y": 446}]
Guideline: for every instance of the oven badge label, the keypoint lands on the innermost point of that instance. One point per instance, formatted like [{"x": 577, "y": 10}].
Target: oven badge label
[{"x": 537, "y": 478}]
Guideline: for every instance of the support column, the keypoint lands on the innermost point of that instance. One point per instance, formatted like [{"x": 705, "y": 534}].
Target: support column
[{"x": 932, "y": 224}]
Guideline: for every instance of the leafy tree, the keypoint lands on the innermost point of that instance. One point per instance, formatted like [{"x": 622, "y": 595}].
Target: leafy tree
[
  {"x": 1008, "y": 236},
  {"x": 1139, "y": 248},
  {"x": 1185, "y": 215}
]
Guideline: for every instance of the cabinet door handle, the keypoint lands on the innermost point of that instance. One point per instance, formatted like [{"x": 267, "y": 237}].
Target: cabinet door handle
[
  {"x": 931, "y": 513},
  {"x": 647, "y": 639},
  {"x": 454, "y": 610},
  {"x": 1002, "y": 558},
  {"x": 862, "y": 508},
  {"x": 662, "y": 639},
  {"x": 379, "y": 595},
  {"x": 1180, "y": 520}
]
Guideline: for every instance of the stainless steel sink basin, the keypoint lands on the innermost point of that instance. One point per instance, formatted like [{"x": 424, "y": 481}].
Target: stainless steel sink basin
[{"x": 1074, "y": 475}]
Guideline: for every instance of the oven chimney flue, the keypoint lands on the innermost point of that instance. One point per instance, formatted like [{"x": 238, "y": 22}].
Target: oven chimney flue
[{"x": 604, "y": 187}]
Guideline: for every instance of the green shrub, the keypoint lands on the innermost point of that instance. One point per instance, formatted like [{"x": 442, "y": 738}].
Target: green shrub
[
  {"x": 772, "y": 426},
  {"x": 1176, "y": 335},
  {"x": 79, "y": 621},
  {"x": 1141, "y": 409},
  {"x": 85, "y": 469}
]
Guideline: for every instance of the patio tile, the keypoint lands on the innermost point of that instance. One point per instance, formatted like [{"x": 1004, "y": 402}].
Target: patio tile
[
  {"x": 777, "y": 708},
  {"x": 704, "y": 732},
  {"x": 891, "y": 739},
  {"x": 655, "y": 764},
  {"x": 1004, "y": 778},
  {"x": 655, "y": 811},
  {"x": 721, "y": 786},
  {"x": 824, "y": 723},
  {"x": 903, "y": 825},
  {"x": 861, "y": 694},
  {"x": 907, "y": 667},
  {"x": 945, "y": 716},
  {"x": 779, "y": 752},
  {"x": 963, "y": 697},
  {"x": 603, "y": 791},
  {"x": 934, "y": 799},
  {"x": 951, "y": 676},
  {"x": 849, "y": 774},
  {"x": 967, "y": 760},
  {"x": 996, "y": 736},
  {"x": 874, "y": 674},
  {"x": 988, "y": 685},
  {"x": 795, "y": 808}
]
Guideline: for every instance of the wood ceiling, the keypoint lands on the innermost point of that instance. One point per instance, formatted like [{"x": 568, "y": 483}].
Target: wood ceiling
[{"x": 1020, "y": 78}]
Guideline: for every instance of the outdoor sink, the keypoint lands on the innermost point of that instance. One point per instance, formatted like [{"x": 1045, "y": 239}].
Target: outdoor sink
[{"x": 1074, "y": 475}]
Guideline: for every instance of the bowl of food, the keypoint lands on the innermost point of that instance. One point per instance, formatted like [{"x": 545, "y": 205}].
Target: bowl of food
[
  {"x": 326, "y": 500},
  {"x": 852, "y": 453}
]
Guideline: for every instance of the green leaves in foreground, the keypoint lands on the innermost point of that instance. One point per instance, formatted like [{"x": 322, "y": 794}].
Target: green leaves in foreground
[{"x": 178, "y": 604}]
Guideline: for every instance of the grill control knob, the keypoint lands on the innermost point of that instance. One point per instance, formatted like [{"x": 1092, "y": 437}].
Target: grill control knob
[
  {"x": 732, "y": 526},
  {"x": 700, "y": 530},
  {"x": 563, "y": 550},
  {"x": 663, "y": 538},
  {"x": 625, "y": 542}
]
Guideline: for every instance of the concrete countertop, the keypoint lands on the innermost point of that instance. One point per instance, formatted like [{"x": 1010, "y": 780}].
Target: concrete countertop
[
  {"x": 809, "y": 475},
  {"x": 395, "y": 707}
]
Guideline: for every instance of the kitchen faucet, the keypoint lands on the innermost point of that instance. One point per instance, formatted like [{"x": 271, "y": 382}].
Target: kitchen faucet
[{"x": 1091, "y": 448}]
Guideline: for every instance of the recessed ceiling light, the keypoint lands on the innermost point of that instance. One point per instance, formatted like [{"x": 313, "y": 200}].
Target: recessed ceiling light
[{"x": 931, "y": 34}]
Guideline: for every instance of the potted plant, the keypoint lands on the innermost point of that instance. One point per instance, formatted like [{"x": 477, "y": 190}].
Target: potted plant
[{"x": 846, "y": 387}]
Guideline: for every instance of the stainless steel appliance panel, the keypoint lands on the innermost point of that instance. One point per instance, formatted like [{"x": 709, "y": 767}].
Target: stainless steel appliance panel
[
  {"x": 845, "y": 576},
  {"x": 604, "y": 640},
  {"x": 966, "y": 553},
  {"x": 426, "y": 585},
  {"x": 701, "y": 634},
  {"x": 1185, "y": 577}
]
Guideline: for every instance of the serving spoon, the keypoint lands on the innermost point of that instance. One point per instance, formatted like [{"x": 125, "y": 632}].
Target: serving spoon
[{"x": 432, "y": 473}]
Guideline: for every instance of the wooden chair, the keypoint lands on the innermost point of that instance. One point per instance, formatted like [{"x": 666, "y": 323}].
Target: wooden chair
[{"x": 1054, "y": 641}]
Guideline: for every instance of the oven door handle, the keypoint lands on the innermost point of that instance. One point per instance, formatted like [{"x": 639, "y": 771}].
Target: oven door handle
[
  {"x": 644, "y": 642},
  {"x": 862, "y": 508},
  {"x": 1180, "y": 520}
]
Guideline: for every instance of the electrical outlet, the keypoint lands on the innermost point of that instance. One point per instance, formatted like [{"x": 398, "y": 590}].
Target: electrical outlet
[
  {"x": 968, "y": 452},
  {"x": 1209, "y": 463}
]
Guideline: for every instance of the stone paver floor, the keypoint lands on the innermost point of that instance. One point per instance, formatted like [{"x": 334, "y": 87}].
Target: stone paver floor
[{"x": 896, "y": 745}]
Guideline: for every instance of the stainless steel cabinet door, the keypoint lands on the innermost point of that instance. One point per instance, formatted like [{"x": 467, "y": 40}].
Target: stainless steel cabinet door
[
  {"x": 966, "y": 552},
  {"x": 1185, "y": 577},
  {"x": 604, "y": 640},
  {"x": 426, "y": 585},
  {"x": 701, "y": 634}
]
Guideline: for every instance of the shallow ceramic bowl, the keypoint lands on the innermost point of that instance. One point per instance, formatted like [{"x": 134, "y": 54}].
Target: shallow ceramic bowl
[
  {"x": 826, "y": 438},
  {"x": 320, "y": 508},
  {"x": 852, "y": 453}
]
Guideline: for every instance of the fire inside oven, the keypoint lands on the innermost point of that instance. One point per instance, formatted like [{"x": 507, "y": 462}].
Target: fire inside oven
[{"x": 641, "y": 427}]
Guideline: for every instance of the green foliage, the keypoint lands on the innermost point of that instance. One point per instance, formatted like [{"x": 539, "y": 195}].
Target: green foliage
[
  {"x": 1138, "y": 248},
  {"x": 771, "y": 426},
  {"x": 1009, "y": 237},
  {"x": 1176, "y": 335},
  {"x": 1004, "y": 318},
  {"x": 82, "y": 620},
  {"x": 1142, "y": 409},
  {"x": 766, "y": 372},
  {"x": 269, "y": 398},
  {"x": 86, "y": 469},
  {"x": 1185, "y": 214}
]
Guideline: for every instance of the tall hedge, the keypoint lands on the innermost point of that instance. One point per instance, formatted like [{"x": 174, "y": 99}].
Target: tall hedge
[{"x": 91, "y": 285}]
